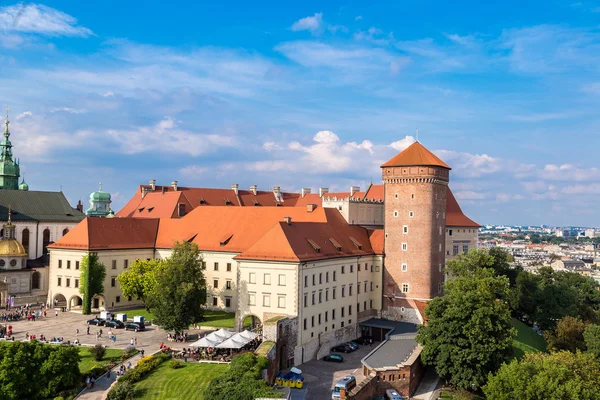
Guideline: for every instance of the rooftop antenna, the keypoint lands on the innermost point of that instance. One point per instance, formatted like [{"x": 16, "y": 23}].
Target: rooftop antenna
[{"x": 417, "y": 134}]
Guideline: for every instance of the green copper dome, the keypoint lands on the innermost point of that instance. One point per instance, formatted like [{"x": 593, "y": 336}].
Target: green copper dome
[
  {"x": 100, "y": 196},
  {"x": 23, "y": 186},
  {"x": 99, "y": 204}
]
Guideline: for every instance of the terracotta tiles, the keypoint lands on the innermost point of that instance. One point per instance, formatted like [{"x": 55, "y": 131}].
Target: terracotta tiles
[{"x": 415, "y": 154}]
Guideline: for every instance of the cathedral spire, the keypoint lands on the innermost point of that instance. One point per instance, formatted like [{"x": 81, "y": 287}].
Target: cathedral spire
[
  {"x": 6, "y": 122},
  {"x": 9, "y": 167}
]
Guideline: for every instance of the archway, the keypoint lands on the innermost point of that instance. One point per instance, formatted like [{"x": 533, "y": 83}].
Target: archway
[
  {"x": 65, "y": 231},
  {"x": 251, "y": 322},
  {"x": 45, "y": 240},
  {"x": 98, "y": 303},
  {"x": 36, "y": 279},
  {"x": 25, "y": 239},
  {"x": 75, "y": 302},
  {"x": 59, "y": 301}
]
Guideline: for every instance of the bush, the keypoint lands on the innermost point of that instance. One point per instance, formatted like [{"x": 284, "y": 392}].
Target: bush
[
  {"x": 144, "y": 367},
  {"x": 129, "y": 352},
  {"x": 59, "y": 398},
  {"x": 98, "y": 352},
  {"x": 98, "y": 370},
  {"x": 122, "y": 391},
  {"x": 176, "y": 364}
]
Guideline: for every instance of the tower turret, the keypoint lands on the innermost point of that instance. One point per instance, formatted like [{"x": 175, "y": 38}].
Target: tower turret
[
  {"x": 99, "y": 203},
  {"x": 9, "y": 167},
  {"x": 415, "y": 183}
]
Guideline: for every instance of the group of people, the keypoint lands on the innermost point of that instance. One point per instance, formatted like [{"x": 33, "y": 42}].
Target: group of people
[{"x": 177, "y": 338}]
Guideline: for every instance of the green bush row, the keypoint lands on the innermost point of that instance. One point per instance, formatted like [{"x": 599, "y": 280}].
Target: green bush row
[{"x": 123, "y": 390}]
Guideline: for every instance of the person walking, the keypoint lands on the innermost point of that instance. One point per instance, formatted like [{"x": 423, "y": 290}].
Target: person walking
[
  {"x": 88, "y": 330},
  {"x": 132, "y": 342},
  {"x": 77, "y": 332},
  {"x": 136, "y": 341},
  {"x": 56, "y": 313},
  {"x": 142, "y": 353}
]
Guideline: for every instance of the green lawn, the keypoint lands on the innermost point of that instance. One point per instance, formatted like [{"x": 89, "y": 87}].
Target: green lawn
[
  {"x": 87, "y": 362},
  {"x": 527, "y": 340},
  {"x": 187, "y": 383},
  {"x": 218, "y": 319}
]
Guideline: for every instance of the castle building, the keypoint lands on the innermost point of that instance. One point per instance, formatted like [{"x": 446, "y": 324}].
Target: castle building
[
  {"x": 327, "y": 262},
  {"x": 100, "y": 204}
]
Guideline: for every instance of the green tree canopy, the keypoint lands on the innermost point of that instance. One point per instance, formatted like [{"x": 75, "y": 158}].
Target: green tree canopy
[
  {"x": 91, "y": 280},
  {"x": 180, "y": 289},
  {"x": 469, "y": 333},
  {"x": 139, "y": 280},
  {"x": 568, "y": 335},
  {"x": 592, "y": 340},
  {"x": 561, "y": 376},
  {"x": 32, "y": 370}
]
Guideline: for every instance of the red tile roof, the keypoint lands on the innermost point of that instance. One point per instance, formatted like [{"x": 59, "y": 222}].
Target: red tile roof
[
  {"x": 415, "y": 154},
  {"x": 375, "y": 193},
  {"x": 454, "y": 215},
  {"x": 110, "y": 233},
  {"x": 376, "y": 237}
]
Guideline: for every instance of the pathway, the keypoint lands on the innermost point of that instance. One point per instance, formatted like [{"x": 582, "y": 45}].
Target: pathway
[
  {"x": 103, "y": 384},
  {"x": 428, "y": 387}
]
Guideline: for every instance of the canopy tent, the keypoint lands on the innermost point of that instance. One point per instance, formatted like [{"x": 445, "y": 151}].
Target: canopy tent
[
  {"x": 238, "y": 340},
  {"x": 213, "y": 339}
]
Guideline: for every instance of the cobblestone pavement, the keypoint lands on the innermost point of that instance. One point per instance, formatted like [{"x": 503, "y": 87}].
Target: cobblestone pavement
[{"x": 66, "y": 323}]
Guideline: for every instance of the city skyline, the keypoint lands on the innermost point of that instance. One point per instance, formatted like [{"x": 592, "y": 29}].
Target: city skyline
[{"x": 311, "y": 95}]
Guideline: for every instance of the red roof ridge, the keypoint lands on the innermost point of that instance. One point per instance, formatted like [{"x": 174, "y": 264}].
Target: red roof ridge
[{"x": 415, "y": 154}]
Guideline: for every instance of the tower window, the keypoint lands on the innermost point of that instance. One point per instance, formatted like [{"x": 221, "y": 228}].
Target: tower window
[
  {"x": 411, "y": 214},
  {"x": 396, "y": 196},
  {"x": 449, "y": 232},
  {"x": 405, "y": 229},
  {"x": 412, "y": 196},
  {"x": 404, "y": 246},
  {"x": 404, "y": 267},
  {"x": 395, "y": 214},
  {"x": 405, "y": 288}
]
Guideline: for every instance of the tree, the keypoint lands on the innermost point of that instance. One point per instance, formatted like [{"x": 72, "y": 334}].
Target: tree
[
  {"x": 591, "y": 336},
  {"x": 562, "y": 375},
  {"x": 469, "y": 331},
  {"x": 180, "y": 290},
  {"x": 524, "y": 295},
  {"x": 32, "y": 370},
  {"x": 568, "y": 335},
  {"x": 139, "y": 280},
  {"x": 91, "y": 280},
  {"x": 501, "y": 264}
]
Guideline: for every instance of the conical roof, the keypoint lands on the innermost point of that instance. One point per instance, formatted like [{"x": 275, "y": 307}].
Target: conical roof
[{"x": 415, "y": 154}]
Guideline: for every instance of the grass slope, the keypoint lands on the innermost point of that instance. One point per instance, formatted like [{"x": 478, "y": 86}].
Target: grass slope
[
  {"x": 218, "y": 319},
  {"x": 527, "y": 340},
  {"x": 87, "y": 362},
  {"x": 187, "y": 383}
]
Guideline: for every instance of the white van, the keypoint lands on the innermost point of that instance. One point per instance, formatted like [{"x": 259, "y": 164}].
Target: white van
[{"x": 348, "y": 383}]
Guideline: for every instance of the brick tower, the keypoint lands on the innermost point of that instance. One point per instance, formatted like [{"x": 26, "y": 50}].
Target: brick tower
[{"x": 415, "y": 183}]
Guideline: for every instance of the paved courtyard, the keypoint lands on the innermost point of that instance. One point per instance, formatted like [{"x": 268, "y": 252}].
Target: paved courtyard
[{"x": 66, "y": 323}]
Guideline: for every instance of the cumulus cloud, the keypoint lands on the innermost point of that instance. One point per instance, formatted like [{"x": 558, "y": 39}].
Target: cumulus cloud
[
  {"x": 471, "y": 165},
  {"x": 402, "y": 144},
  {"x": 568, "y": 172},
  {"x": 40, "y": 19},
  {"x": 68, "y": 110},
  {"x": 24, "y": 115},
  {"x": 313, "y": 24},
  {"x": 193, "y": 171}
]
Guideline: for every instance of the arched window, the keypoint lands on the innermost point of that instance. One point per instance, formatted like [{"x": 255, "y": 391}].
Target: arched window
[
  {"x": 65, "y": 231},
  {"x": 25, "y": 239},
  {"x": 46, "y": 240},
  {"x": 35, "y": 280}
]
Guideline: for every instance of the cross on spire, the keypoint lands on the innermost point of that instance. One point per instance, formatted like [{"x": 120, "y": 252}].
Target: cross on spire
[{"x": 6, "y": 122}]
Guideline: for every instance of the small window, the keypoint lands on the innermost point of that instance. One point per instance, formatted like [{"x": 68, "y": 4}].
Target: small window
[
  {"x": 334, "y": 276},
  {"x": 313, "y": 299},
  {"x": 304, "y": 323},
  {"x": 396, "y": 195},
  {"x": 312, "y": 321},
  {"x": 465, "y": 248},
  {"x": 216, "y": 266},
  {"x": 68, "y": 264},
  {"x": 305, "y": 300},
  {"x": 320, "y": 297},
  {"x": 350, "y": 310},
  {"x": 319, "y": 319},
  {"x": 320, "y": 278},
  {"x": 333, "y": 317},
  {"x": 281, "y": 302},
  {"x": 404, "y": 267},
  {"x": 326, "y": 294},
  {"x": 118, "y": 299},
  {"x": 405, "y": 288},
  {"x": 281, "y": 280},
  {"x": 228, "y": 285},
  {"x": 252, "y": 277},
  {"x": 395, "y": 214},
  {"x": 228, "y": 302},
  {"x": 216, "y": 283},
  {"x": 405, "y": 229},
  {"x": 343, "y": 291},
  {"x": 343, "y": 269},
  {"x": 450, "y": 232},
  {"x": 76, "y": 264},
  {"x": 228, "y": 267},
  {"x": 326, "y": 277},
  {"x": 342, "y": 314},
  {"x": 114, "y": 264},
  {"x": 411, "y": 214},
  {"x": 333, "y": 294},
  {"x": 68, "y": 282},
  {"x": 59, "y": 281},
  {"x": 113, "y": 282},
  {"x": 306, "y": 281},
  {"x": 215, "y": 301},
  {"x": 252, "y": 299},
  {"x": 412, "y": 196},
  {"x": 314, "y": 281},
  {"x": 125, "y": 264},
  {"x": 351, "y": 268},
  {"x": 59, "y": 263},
  {"x": 350, "y": 290},
  {"x": 76, "y": 283},
  {"x": 267, "y": 279},
  {"x": 455, "y": 250},
  {"x": 404, "y": 247}
]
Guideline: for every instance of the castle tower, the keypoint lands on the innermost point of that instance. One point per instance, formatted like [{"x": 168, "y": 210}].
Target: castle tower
[
  {"x": 9, "y": 167},
  {"x": 415, "y": 183},
  {"x": 99, "y": 204}
]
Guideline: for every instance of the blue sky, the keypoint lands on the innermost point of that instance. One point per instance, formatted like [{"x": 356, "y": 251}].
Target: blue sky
[{"x": 310, "y": 94}]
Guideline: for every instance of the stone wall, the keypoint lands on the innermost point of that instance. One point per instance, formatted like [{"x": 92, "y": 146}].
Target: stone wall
[{"x": 284, "y": 332}]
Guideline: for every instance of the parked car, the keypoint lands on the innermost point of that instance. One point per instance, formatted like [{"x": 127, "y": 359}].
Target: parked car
[
  {"x": 364, "y": 340},
  {"x": 353, "y": 345},
  {"x": 134, "y": 326},
  {"x": 97, "y": 321},
  {"x": 342, "y": 348},
  {"x": 115, "y": 324},
  {"x": 334, "y": 358}
]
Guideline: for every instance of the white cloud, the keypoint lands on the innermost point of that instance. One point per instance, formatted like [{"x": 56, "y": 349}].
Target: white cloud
[
  {"x": 270, "y": 146},
  {"x": 24, "y": 115},
  {"x": 69, "y": 110},
  {"x": 193, "y": 171},
  {"x": 471, "y": 165},
  {"x": 540, "y": 117},
  {"x": 108, "y": 94},
  {"x": 568, "y": 172},
  {"x": 358, "y": 18},
  {"x": 402, "y": 144},
  {"x": 313, "y": 24},
  {"x": 40, "y": 19},
  {"x": 593, "y": 188}
]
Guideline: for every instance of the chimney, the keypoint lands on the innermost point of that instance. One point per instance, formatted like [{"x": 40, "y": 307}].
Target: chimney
[
  {"x": 253, "y": 189},
  {"x": 305, "y": 191},
  {"x": 354, "y": 189},
  {"x": 322, "y": 191},
  {"x": 79, "y": 206},
  {"x": 174, "y": 185},
  {"x": 310, "y": 208},
  {"x": 235, "y": 187},
  {"x": 276, "y": 191},
  {"x": 287, "y": 220},
  {"x": 153, "y": 184}
]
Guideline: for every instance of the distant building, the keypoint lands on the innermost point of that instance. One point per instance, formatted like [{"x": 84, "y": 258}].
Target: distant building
[
  {"x": 100, "y": 204},
  {"x": 569, "y": 265}
]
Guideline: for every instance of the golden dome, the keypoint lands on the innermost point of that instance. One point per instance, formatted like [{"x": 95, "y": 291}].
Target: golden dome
[{"x": 11, "y": 247}]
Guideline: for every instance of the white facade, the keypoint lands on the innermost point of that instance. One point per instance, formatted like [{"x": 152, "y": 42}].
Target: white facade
[
  {"x": 32, "y": 235},
  {"x": 357, "y": 212}
]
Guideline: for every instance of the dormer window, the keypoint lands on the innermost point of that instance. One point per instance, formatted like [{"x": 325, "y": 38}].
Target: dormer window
[{"x": 181, "y": 210}]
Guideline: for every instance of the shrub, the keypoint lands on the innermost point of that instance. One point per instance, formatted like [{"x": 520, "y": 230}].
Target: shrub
[
  {"x": 98, "y": 370},
  {"x": 98, "y": 352},
  {"x": 59, "y": 398},
  {"x": 176, "y": 364},
  {"x": 129, "y": 352},
  {"x": 122, "y": 391}
]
